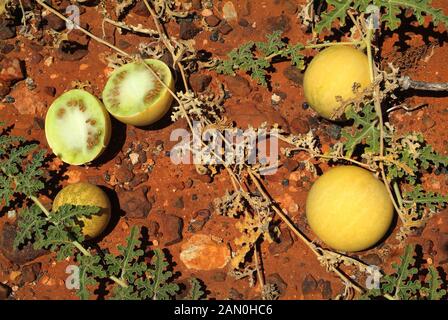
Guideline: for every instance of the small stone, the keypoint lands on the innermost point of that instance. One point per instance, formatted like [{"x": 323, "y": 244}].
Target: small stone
[
  {"x": 51, "y": 91},
  {"x": 206, "y": 13},
  {"x": 281, "y": 23},
  {"x": 214, "y": 36},
  {"x": 153, "y": 230},
  {"x": 71, "y": 51},
  {"x": 238, "y": 86},
  {"x": 212, "y": 20},
  {"x": 9, "y": 99},
  {"x": 309, "y": 286},
  {"x": 291, "y": 165},
  {"x": 123, "y": 174},
  {"x": 201, "y": 252},
  {"x": 135, "y": 203},
  {"x": 31, "y": 272},
  {"x": 285, "y": 182},
  {"x": 225, "y": 28},
  {"x": 188, "y": 30},
  {"x": 326, "y": 290},
  {"x": 54, "y": 22},
  {"x": 334, "y": 131},
  {"x": 279, "y": 283},
  {"x": 6, "y": 48},
  {"x": 5, "y": 291},
  {"x": 294, "y": 74},
  {"x": 229, "y": 12},
  {"x": 299, "y": 126},
  {"x": 198, "y": 221},
  {"x": 11, "y": 70},
  {"x": 243, "y": 23},
  {"x": 179, "y": 203},
  {"x": 36, "y": 58},
  {"x": 7, "y": 29},
  {"x": 22, "y": 255},
  {"x": 38, "y": 123},
  {"x": 282, "y": 244},
  {"x": 171, "y": 228},
  {"x": 200, "y": 82},
  {"x": 123, "y": 44},
  {"x": 134, "y": 158}
]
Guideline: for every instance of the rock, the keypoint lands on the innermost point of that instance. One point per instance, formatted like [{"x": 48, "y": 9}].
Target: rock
[
  {"x": 170, "y": 228},
  {"x": 22, "y": 255},
  {"x": 188, "y": 30},
  {"x": 277, "y": 280},
  {"x": 12, "y": 70},
  {"x": 285, "y": 242},
  {"x": 291, "y": 165},
  {"x": 200, "y": 82},
  {"x": 38, "y": 123},
  {"x": 5, "y": 89},
  {"x": 294, "y": 74},
  {"x": 229, "y": 12},
  {"x": 6, "y": 48},
  {"x": 334, "y": 131},
  {"x": 281, "y": 23},
  {"x": 5, "y": 291},
  {"x": 7, "y": 29},
  {"x": 135, "y": 203},
  {"x": 243, "y": 23},
  {"x": 238, "y": 85},
  {"x": 71, "y": 51},
  {"x": 179, "y": 203},
  {"x": 201, "y": 252},
  {"x": 212, "y": 20},
  {"x": 201, "y": 177},
  {"x": 198, "y": 221},
  {"x": 309, "y": 286},
  {"x": 54, "y": 22},
  {"x": 31, "y": 272},
  {"x": 299, "y": 126},
  {"x": 219, "y": 276},
  {"x": 30, "y": 102},
  {"x": 326, "y": 290},
  {"x": 124, "y": 174},
  {"x": 372, "y": 259},
  {"x": 225, "y": 28},
  {"x": 51, "y": 91},
  {"x": 290, "y": 6}
]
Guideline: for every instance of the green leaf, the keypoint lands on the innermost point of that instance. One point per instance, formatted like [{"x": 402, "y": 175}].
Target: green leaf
[
  {"x": 366, "y": 131},
  {"x": 90, "y": 268},
  {"x": 196, "y": 290},
  {"x": 337, "y": 13},
  {"x": 31, "y": 225},
  {"x": 433, "y": 290}
]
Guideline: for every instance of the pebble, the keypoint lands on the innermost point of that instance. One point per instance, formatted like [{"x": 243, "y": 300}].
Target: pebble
[
  {"x": 212, "y": 20},
  {"x": 238, "y": 86},
  {"x": 31, "y": 272},
  {"x": 171, "y": 227},
  {"x": 71, "y": 51},
  {"x": 20, "y": 256},
  {"x": 207, "y": 13},
  {"x": 135, "y": 203},
  {"x": 199, "y": 82},
  {"x": 243, "y": 23},
  {"x": 229, "y": 12},
  {"x": 12, "y": 70},
  {"x": 188, "y": 30},
  {"x": 124, "y": 174},
  {"x": 199, "y": 220},
  {"x": 326, "y": 290},
  {"x": 219, "y": 276},
  {"x": 201, "y": 252},
  {"x": 179, "y": 203},
  {"x": 281, "y": 23},
  {"x": 53, "y": 22},
  {"x": 5, "y": 89},
  {"x": 51, "y": 91},
  {"x": 291, "y": 165},
  {"x": 225, "y": 28},
  {"x": 309, "y": 286},
  {"x": 372, "y": 259}
]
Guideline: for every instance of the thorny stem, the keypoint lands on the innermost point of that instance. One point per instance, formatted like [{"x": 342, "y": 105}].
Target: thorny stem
[
  {"x": 259, "y": 268},
  {"x": 79, "y": 246}
]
